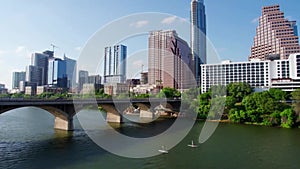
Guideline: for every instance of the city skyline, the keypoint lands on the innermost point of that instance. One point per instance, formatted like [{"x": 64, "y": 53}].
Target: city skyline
[{"x": 24, "y": 32}]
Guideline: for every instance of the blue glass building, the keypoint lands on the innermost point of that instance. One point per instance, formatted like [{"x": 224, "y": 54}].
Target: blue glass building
[
  {"x": 198, "y": 36},
  {"x": 57, "y": 75},
  {"x": 71, "y": 71}
]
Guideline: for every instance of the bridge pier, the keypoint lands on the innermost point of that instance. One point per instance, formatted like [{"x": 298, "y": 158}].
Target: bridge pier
[
  {"x": 113, "y": 117},
  {"x": 64, "y": 124}
]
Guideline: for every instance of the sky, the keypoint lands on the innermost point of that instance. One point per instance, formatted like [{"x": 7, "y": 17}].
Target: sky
[{"x": 32, "y": 25}]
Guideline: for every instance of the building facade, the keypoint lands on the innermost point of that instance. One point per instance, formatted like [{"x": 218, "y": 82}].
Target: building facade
[
  {"x": 3, "y": 90},
  {"x": 169, "y": 60},
  {"x": 115, "y": 64},
  {"x": 49, "y": 53},
  {"x": 57, "y": 73},
  {"x": 144, "y": 78},
  {"x": 83, "y": 76},
  {"x": 283, "y": 74},
  {"x": 92, "y": 85},
  {"x": 115, "y": 89},
  {"x": 275, "y": 35},
  {"x": 71, "y": 68},
  {"x": 94, "y": 79},
  {"x": 34, "y": 74},
  {"x": 16, "y": 78},
  {"x": 286, "y": 73},
  {"x": 198, "y": 36},
  {"x": 40, "y": 60}
]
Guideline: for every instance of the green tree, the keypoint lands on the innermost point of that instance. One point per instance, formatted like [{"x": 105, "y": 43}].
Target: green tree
[
  {"x": 100, "y": 94},
  {"x": 287, "y": 118},
  {"x": 4, "y": 95},
  {"x": 274, "y": 119},
  {"x": 296, "y": 103},
  {"x": 217, "y": 107},
  {"x": 230, "y": 102},
  {"x": 278, "y": 94},
  {"x": 260, "y": 105},
  {"x": 202, "y": 105},
  {"x": 141, "y": 96},
  {"x": 262, "y": 102},
  {"x": 46, "y": 95},
  {"x": 237, "y": 116},
  {"x": 169, "y": 92},
  {"x": 239, "y": 90},
  {"x": 17, "y": 95}
]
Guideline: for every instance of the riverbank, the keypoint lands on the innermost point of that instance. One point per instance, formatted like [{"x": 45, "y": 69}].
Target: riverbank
[{"x": 246, "y": 123}]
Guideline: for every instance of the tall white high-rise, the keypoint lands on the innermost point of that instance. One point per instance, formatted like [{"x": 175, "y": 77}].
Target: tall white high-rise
[{"x": 115, "y": 64}]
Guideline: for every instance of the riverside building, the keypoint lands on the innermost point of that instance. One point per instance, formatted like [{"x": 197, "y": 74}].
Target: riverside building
[{"x": 261, "y": 75}]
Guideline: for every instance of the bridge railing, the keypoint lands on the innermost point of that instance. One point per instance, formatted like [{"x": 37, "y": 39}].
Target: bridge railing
[{"x": 85, "y": 99}]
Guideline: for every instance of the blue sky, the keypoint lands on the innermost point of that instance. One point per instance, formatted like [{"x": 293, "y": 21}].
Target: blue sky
[{"x": 32, "y": 25}]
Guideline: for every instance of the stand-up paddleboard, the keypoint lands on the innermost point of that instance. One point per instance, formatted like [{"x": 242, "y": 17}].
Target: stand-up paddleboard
[
  {"x": 193, "y": 145},
  {"x": 163, "y": 150}
]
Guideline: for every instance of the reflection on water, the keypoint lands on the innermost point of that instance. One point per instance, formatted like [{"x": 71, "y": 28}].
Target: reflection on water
[{"x": 28, "y": 140}]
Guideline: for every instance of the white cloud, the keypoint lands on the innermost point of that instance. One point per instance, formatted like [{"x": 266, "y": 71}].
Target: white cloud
[
  {"x": 169, "y": 20},
  {"x": 20, "y": 49},
  {"x": 255, "y": 20},
  {"x": 139, "y": 24}
]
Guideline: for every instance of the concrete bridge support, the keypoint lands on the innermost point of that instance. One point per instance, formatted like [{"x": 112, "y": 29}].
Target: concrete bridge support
[
  {"x": 64, "y": 124},
  {"x": 112, "y": 114},
  {"x": 63, "y": 120},
  {"x": 146, "y": 111}
]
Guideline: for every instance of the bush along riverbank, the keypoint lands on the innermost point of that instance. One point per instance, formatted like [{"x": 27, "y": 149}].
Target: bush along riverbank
[{"x": 240, "y": 104}]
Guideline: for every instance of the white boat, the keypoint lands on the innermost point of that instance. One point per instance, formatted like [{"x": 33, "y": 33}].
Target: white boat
[
  {"x": 193, "y": 145},
  {"x": 163, "y": 150}
]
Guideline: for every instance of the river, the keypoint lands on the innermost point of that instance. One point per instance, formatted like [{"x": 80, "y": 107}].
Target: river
[{"x": 28, "y": 140}]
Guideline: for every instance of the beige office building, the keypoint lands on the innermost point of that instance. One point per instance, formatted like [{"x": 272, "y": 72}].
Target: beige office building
[
  {"x": 169, "y": 60},
  {"x": 275, "y": 35}
]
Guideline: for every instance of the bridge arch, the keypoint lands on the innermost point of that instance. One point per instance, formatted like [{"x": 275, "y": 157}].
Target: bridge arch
[{"x": 62, "y": 120}]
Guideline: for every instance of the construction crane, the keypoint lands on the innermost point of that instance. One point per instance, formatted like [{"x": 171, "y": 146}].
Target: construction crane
[{"x": 53, "y": 47}]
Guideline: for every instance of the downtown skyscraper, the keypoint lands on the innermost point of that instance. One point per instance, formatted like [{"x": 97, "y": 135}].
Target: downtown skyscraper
[
  {"x": 16, "y": 78},
  {"x": 275, "y": 35},
  {"x": 198, "y": 36},
  {"x": 71, "y": 69},
  {"x": 40, "y": 60},
  {"x": 169, "y": 60},
  {"x": 57, "y": 73},
  {"x": 115, "y": 64}
]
